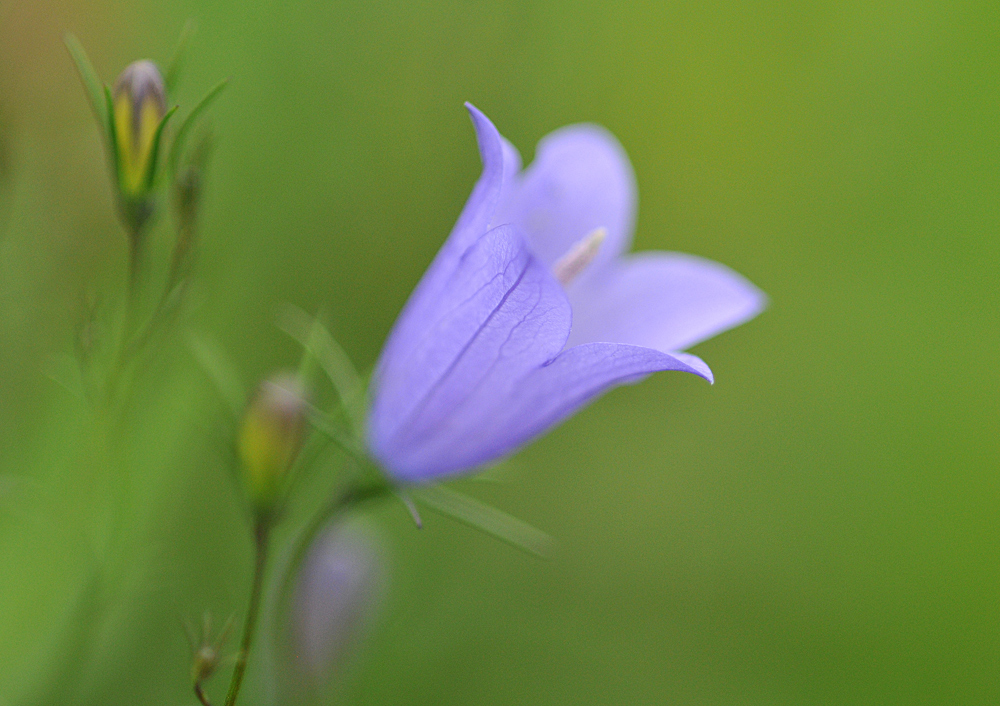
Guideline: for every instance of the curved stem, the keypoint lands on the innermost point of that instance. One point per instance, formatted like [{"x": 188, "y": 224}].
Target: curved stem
[
  {"x": 249, "y": 626},
  {"x": 353, "y": 496},
  {"x": 200, "y": 693}
]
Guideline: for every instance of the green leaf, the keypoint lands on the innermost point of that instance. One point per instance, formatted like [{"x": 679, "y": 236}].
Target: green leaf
[
  {"x": 91, "y": 83},
  {"x": 154, "y": 151},
  {"x": 326, "y": 426},
  {"x": 484, "y": 517},
  {"x": 182, "y": 132},
  {"x": 334, "y": 361},
  {"x": 64, "y": 370},
  {"x": 176, "y": 63},
  {"x": 112, "y": 133},
  {"x": 221, "y": 370}
]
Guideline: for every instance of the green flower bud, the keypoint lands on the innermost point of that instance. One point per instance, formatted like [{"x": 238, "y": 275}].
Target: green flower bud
[
  {"x": 206, "y": 652},
  {"x": 139, "y": 103},
  {"x": 204, "y": 663},
  {"x": 270, "y": 438}
]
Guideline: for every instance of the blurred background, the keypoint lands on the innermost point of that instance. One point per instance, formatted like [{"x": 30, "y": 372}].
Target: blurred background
[{"x": 820, "y": 527}]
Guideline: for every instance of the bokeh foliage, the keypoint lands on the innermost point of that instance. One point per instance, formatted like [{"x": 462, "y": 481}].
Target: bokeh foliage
[{"x": 819, "y": 527}]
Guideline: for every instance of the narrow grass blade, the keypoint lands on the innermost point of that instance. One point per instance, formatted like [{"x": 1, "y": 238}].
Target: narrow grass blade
[
  {"x": 322, "y": 423},
  {"x": 222, "y": 371},
  {"x": 155, "y": 150},
  {"x": 64, "y": 370},
  {"x": 484, "y": 517},
  {"x": 112, "y": 133},
  {"x": 177, "y": 60},
  {"x": 182, "y": 132},
  {"x": 334, "y": 361},
  {"x": 91, "y": 83}
]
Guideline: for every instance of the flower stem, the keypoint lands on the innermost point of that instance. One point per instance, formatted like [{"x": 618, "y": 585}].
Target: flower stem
[
  {"x": 256, "y": 593},
  {"x": 136, "y": 238},
  {"x": 199, "y": 692},
  {"x": 354, "y": 495}
]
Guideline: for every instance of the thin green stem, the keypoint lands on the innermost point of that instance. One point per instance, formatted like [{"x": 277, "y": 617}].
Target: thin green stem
[
  {"x": 352, "y": 496},
  {"x": 121, "y": 359},
  {"x": 160, "y": 317},
  {"x": 136, "y": 236},
  {"x": 200, "y": 693},
  {"x": 249, "y": 626}
]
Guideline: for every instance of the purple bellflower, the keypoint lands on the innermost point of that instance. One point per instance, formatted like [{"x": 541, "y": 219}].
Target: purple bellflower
[{"x": 531, "y": 309}]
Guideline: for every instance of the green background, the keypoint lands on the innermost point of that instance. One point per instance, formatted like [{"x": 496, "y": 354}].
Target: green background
[{"x": 820, "y": 527}]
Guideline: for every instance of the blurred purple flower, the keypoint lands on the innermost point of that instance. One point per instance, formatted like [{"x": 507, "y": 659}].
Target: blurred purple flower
[
  {"x": 339, "y": 586},
  {"x": 531, "y": 309}
]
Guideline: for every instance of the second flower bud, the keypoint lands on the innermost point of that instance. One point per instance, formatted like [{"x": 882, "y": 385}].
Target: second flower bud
[{"x": 270, "y": 438}]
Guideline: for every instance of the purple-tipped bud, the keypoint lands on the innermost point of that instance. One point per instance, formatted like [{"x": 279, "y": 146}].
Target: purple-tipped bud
[
  {"x": 271, "y": 436},
  {"x": 339, "y": 585},
  {"x": 139, "y": 103}
]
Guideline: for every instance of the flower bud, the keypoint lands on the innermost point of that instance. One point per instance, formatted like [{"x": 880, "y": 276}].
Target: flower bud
[
  {"x": 271, "y": 436},
  {"x": 206, "y": 650},
  {"x": 339, "y": 586},
  {"x": 204, "y": 663},
  {"x": 139, "y": 104}
]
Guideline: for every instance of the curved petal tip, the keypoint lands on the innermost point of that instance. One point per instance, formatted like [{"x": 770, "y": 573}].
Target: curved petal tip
[
  {"x": 695, "y": 365},
  {"x": 484, "y": 126}
]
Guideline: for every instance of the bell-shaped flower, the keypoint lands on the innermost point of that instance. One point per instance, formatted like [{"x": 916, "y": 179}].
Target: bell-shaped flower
[{"x": 532, "y": 308}]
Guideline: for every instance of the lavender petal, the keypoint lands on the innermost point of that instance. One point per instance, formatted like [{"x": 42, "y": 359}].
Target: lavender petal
[
  {"x": 501, "y": 314},
  {"x": 497, "y": 418},
  {"x": 666, "y": 301},
  {"x": 580, "y": 180},
  {"x": 472, "y": 224}
]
